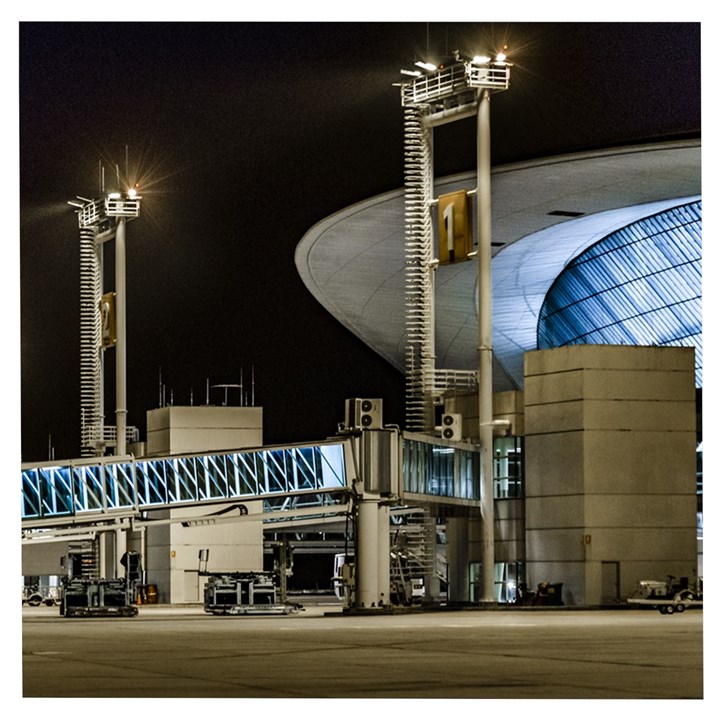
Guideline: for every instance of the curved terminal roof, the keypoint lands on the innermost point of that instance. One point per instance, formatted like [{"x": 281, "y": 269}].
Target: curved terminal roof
[{"x": 545, "y": 213}]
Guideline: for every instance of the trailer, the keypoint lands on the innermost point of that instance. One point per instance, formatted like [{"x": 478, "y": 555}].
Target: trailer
[
  {"x": 97, "y": 598},
  {"x": 245, "y": 593},
  {"x": 668, "y": 597}
]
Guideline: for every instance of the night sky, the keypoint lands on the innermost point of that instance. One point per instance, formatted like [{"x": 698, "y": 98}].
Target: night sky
[{"x": 242, "y": 136}]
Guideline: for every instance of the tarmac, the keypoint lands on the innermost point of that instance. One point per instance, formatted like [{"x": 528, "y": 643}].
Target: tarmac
[{"x": 322, "y": 652}]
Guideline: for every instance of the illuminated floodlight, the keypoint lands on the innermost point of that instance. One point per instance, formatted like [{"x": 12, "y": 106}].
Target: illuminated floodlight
[
  {"x": 114, "y": 195},
  {"x": 132, "y": 192},
  {"x": 426, "y": 66},
  {"x": 411, "y": 73},
  {"x": 481, "y": 60},
  {"x": 500, "y": 57}
]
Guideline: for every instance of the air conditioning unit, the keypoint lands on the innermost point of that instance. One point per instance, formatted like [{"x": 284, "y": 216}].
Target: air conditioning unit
[
  {"x": 451, "y": 426},
  {"x": 363, "y": 414}
]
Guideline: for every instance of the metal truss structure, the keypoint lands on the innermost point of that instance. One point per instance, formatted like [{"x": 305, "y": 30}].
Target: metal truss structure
[
  {"x": 97, "y": 223},
  {"x": 433, "y": 98}
]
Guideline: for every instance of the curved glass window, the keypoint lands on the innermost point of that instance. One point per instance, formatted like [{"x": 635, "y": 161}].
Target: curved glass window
[{"x": 641, "y": 285}]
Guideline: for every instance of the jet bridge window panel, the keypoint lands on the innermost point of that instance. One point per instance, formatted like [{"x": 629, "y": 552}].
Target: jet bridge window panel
[
  {"x": 31, "y": 493},
  {"x": 641, "y": 285},
  {"x": 151, "y": 483},
  {"x": 215, "y": 486},
  {"x": 89, "y": 485},
  {"x": 56, "y": 496},
  {"x": 120, "y": 486},
  {"x": 332, "y": 466},
  {"x": 439, "y": 470}
]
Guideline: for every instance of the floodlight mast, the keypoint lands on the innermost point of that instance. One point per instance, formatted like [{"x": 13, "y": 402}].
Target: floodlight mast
[
  {"x": 99, "y": 221},
  {"x": 457, "y": 90}
]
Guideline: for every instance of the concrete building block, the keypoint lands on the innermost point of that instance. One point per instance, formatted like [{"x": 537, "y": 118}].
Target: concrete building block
[
  {"x": 203, "y": 428},
  {"x": 608, "y": 357},
  {"x": 652, "y": 462},
  {"x": 554, "y": 464},
  {"x": 555, "y": 511},
  {"x": 610, "y": 464},
  {"x": 640, "y": 511}
]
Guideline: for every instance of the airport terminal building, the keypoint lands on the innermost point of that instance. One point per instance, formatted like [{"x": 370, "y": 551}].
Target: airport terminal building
[
  {"x": 552, "y": 351},
  {"x": 597, "y": 361}
]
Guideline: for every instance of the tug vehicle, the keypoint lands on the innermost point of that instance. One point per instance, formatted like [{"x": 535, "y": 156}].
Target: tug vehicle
[{"x": 668, "y": 596}]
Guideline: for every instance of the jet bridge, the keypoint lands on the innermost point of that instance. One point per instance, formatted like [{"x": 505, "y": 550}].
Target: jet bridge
[{"x": 111, "y": 488}]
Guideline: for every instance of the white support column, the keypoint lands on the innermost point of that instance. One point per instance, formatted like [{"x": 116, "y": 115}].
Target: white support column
[
  {"x": 383, "y": 561},
  {"x": 485, "y": 351},
  {"x": 367, "y": 590},
  {"x": 120, "y": 347},
  {"x": 120, "y": 550}
]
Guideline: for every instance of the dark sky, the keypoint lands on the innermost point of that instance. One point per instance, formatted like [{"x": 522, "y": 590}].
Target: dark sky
[{"x": 244, "y": 135}]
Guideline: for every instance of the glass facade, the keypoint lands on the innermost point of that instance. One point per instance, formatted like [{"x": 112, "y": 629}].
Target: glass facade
[
  {"x": 508, "y": 468},
  {"x": 641, "y": 285}
]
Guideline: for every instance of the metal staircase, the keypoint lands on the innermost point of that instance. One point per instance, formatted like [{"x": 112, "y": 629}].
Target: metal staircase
[
  {"x": 412, "y": 553},
  {"x": 419, "y": 294}
]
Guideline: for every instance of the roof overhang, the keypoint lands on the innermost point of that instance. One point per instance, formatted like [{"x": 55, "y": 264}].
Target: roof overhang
[{"x": 544, "y": 213}]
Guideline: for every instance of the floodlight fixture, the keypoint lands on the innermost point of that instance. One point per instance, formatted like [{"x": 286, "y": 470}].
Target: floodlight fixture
[{"x": 430, "y": 67}]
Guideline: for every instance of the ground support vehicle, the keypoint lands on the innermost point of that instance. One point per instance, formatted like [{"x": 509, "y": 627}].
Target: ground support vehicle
[
  {"x": 97, "y": 598},
  {"x": 245, "y": 593},
  {"x": 35, "y": 595},
  {"x": 668, "y": 597}
]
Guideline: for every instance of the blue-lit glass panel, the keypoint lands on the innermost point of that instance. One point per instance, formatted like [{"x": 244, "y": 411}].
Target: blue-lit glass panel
[
  {"x": 151, "y": 483},
  {"x": 216, "y": 474},
  {"x": 275, "y": 471},
  {"x": 119, "y": 485},
  {"x": 332, "y": 467},
  {"x": 56, "y": 491},
  {"x": 182, "y": 480},
  {"x": 31, "y": 494},
  {"x": 89, "y": 488},
  {"x": 306, "y": 467},
  {"x": 641, "y": 285}
]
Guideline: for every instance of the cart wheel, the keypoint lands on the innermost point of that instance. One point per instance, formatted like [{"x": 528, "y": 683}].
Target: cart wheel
[
  {"x": 680, "y": 607},
  {"x": 669, "y": 609}
]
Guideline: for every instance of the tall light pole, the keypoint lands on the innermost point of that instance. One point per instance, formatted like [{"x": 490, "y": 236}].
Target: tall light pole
[
  {"x": 434, "y": 96},
  {"x": 120, "y": 341},
  {"x": 485, "y": 349},
  {"x": 103, "y": 317}
]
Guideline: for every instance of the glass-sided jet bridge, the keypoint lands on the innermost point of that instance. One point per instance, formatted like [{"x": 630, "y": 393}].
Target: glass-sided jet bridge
[{"x": 99, "y": 489}]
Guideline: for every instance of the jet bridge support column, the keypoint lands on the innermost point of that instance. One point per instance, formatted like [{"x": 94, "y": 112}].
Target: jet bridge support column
[
  {"x": 379, "y": 470},
  {"x": 372, "y": 569}
]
